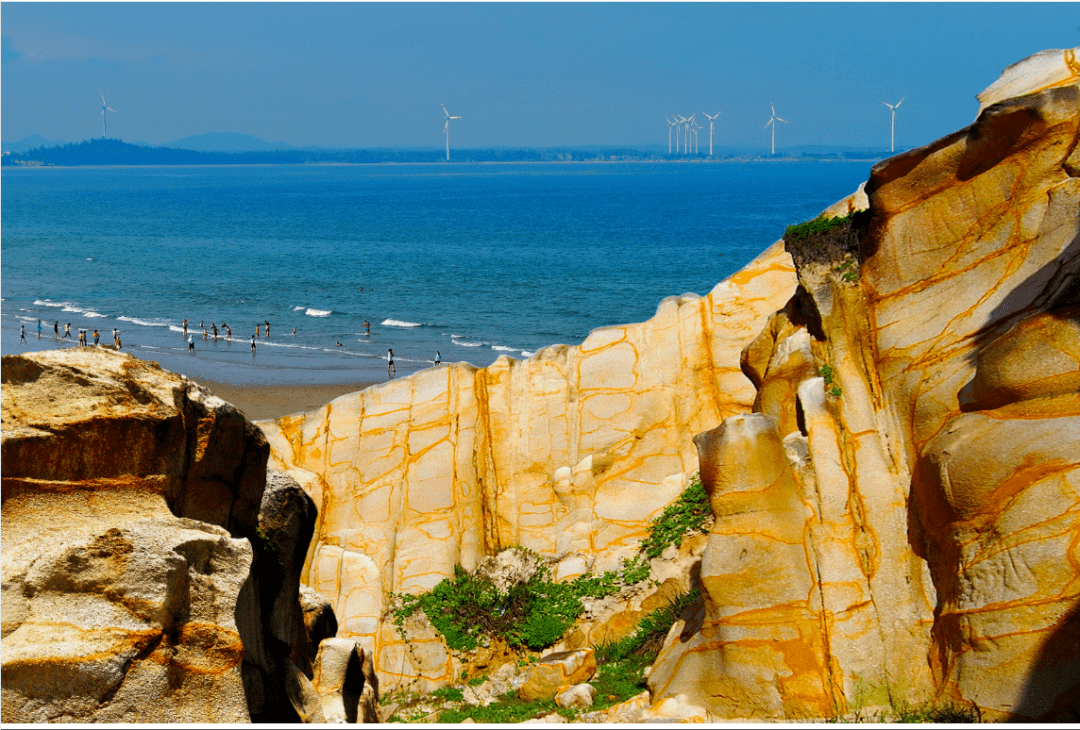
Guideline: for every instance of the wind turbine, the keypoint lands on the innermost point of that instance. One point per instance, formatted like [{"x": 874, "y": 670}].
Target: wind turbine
[
  {"x": 448, "y": 118},
  {"x": 773, "y": 120},
  {"x": 678, "y": 130},
  {"x": 686, "y": 133},
  {"x": 892, "y": 136},
  {"x": 670, "y": 125},
  {"x": 695, "y": 127},
  {"x": 712, "y": 120},
  {"x": 106, "y": 108}
]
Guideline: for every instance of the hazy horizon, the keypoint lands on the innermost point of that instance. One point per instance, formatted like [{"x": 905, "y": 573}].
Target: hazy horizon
[{"x": 367, "y": 75}]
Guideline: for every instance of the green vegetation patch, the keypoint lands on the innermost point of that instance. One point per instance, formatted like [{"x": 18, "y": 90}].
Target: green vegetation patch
[
  {"x": 508, "y": 708},
  {"x": 830, "y": 241},
  {"x": 688, "y": 514},
  {"x": 469, "y": 610}
]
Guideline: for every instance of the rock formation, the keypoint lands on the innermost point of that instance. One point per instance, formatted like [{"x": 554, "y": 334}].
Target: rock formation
[
  {"x": 906, "y": 533},
  {"x": 151, "y": 569},
  {"x": 568, "y": 453}
]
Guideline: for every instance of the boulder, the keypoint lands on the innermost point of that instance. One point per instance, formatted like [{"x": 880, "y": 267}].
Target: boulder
[
  {"x": 562, "y": 669},
  {"x": 577, "y": 697},
  {"x": 345, "y": 683},
  {"x": 149, "y": 574}
]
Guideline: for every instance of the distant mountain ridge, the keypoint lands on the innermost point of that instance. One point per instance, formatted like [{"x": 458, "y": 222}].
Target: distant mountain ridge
[
  {"x": 28, "y": 143},
  {"x": 228, "y": 142}
]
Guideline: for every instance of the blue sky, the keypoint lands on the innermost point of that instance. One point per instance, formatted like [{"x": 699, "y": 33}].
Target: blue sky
[{"x": 373, "y": 75}]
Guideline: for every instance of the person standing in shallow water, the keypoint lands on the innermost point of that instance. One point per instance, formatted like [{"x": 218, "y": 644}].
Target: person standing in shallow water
[
  {"x": 56, "y": 330},
  {"x": 22, "y": 334},
  {"x": 95, "y": 337},
  {"x": 67, "y": 330},
  {"x": 39, "y": 329},
  {"x": 438, "y": 358},
  {"x": 253, "y": 344},
  {"x": 390, "y": 367}
]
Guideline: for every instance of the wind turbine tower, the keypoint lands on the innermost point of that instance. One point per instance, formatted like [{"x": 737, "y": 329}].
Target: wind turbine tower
[
  {"x": 106, "y": 108},
  {"x": 892, "y": 135},
  {"x": 678, "y": 130},
  {"x": 447, "y": 128},
  {"x": 772, "y": 121},
  {"x": 712, "y": 120}
]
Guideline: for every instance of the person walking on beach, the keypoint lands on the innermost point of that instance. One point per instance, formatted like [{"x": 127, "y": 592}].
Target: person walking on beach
[
  {"x": 67, "y": 330},
  {"x": 115, "y": 339},
  {"x": 22, "y": 334},
  {"x": 56, "y": 330},
  {"x": 95, "y": 338},
  {"x": 390, "y": 364},
  {"x": 191, "y": 343},
  {"x": 82, "y": 337},
  {"x": 253, "y": 344},
  {"x": 438, "y": 358}
]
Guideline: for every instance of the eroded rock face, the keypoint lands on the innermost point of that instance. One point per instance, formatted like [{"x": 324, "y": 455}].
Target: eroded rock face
[
  {"x": 924, "y": 424},
  {"x": 149, "y": 572},
  {"x": 569, "y": 454}
]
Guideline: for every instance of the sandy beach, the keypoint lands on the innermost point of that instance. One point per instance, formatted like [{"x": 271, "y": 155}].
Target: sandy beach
[{"x": 260, "y": 402}]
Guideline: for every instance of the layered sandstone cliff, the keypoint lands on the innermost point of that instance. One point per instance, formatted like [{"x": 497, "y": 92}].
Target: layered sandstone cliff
[
  {"x": 151, "y": 569},
  {"x": 906, "y": 529}
]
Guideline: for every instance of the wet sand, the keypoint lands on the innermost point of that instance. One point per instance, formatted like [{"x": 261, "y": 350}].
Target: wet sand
[{"x": 261, "y": 402}]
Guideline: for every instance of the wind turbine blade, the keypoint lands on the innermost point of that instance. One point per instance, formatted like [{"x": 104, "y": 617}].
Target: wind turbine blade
[
  {"x": 444, "y": 110},
  {"x": 900, "y": 102},
  {"x": 781, "y": 120},
  {"x": 773, "y": 108},
  {"x": 768, "y": 123}
]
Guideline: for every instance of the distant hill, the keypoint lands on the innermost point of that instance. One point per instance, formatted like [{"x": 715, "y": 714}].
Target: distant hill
[
  {"x": 28, "y": 143},
  {"x": 115, "y": 152},
  {"x": 229, "y": 142}
]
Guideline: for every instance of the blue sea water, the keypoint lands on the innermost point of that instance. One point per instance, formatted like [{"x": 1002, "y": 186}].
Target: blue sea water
[{"x": 471, "y": 260}]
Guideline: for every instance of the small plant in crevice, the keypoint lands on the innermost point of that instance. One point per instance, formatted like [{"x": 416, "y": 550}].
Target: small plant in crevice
[
  {"x": 827, "y": 373},
  {"x": 848, "y": 270},
  {"x": 688, "y": 514}
]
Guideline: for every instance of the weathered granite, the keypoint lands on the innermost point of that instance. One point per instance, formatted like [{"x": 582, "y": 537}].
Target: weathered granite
[
  {"x": 150, "y": 572},
  {"x": 906, "y": 534},
  {"x": 569, "y": 453}
]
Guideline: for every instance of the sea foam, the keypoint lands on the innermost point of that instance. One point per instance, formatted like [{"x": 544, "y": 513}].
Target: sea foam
[
  {"x": 317, "y": 312},
  {"x": 399, "y": 323}
]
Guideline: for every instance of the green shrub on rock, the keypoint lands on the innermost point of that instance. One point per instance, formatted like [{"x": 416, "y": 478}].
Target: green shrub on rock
[{"x": 688, "y": 514}]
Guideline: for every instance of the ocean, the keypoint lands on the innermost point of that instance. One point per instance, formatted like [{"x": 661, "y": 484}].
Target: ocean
[{"x": 472, "y": 261}]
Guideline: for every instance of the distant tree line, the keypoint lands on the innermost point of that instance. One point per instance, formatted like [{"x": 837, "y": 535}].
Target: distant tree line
[{"x": 115, "y": 152}]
